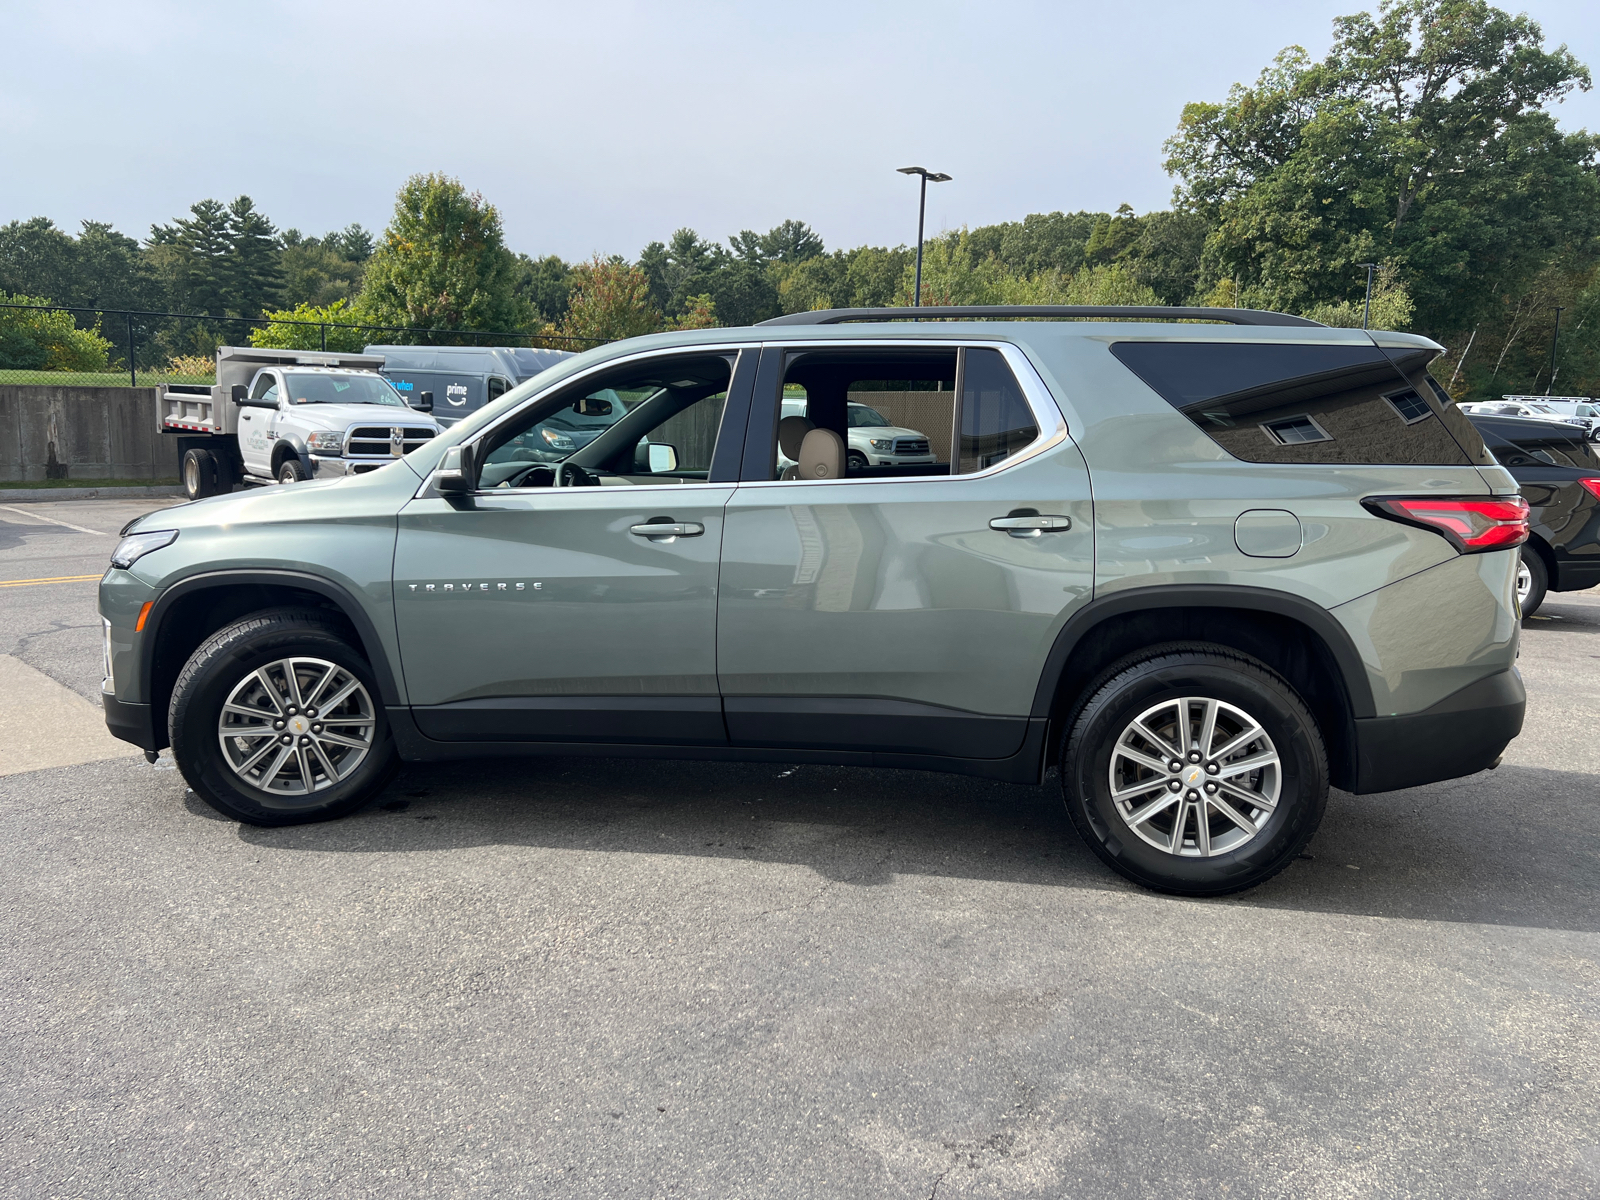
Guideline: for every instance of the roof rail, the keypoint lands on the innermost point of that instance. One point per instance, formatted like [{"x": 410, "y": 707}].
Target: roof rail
[{"x": 945, "y": 312}]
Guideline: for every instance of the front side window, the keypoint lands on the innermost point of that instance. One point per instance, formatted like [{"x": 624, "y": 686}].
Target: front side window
[
  {"x": 896, "y": 413},
  {"x": 651, "y": 422},
  {"x": 1286, "y": 403},
  {"x": 263, "y": 384}
]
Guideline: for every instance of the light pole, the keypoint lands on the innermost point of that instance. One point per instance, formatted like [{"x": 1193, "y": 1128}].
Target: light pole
[
  {"x": 922, "y": 207},
  {"x": 1366, "y": 313},
  {"x": 1555, "y": 339}
]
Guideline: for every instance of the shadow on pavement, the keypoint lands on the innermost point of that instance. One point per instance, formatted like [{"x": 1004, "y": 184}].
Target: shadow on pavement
[{"x": 1517, "y": 846}]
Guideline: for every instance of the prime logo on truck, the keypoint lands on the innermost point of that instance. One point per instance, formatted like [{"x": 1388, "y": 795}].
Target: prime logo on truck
[{"x": 282, "y": 416}]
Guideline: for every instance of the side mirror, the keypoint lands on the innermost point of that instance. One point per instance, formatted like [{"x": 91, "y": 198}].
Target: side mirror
[
  {"x": 455, "y": 476},
  {"x": 239, "y": 393},
  {"x": 424, "y": 402},
  {"x": 663, "y": 457}
]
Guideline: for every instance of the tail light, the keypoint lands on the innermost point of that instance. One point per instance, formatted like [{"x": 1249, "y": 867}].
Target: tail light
[
  {"x": 1592, "y": 485},
  {"x": 1471, "y": 524}
]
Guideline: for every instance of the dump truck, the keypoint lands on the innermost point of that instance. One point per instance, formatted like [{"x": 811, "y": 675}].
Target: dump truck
[{"x": 282, "y": 416}]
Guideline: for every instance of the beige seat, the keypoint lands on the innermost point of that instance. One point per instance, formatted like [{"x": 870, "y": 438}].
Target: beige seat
[
  {"x": 791, "y": 432},
  {"x": 821, "y": 456}
]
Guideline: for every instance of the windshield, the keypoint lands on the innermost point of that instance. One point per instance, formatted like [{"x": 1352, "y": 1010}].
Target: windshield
[
  {"x": 869, "y": 418},
  {"x": 308, "y": 388}
]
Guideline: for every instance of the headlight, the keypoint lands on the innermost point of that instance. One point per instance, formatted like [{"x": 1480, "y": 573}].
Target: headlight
[
  {"x": 559, "y": 441},
  {"x": 135, "y": 546},
  {"x": 328, "y": 441},
  {"x": 882, "y": 443}
]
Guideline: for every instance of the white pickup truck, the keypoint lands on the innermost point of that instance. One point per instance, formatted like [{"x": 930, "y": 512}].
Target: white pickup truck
[{"x": 280, "y": 416}]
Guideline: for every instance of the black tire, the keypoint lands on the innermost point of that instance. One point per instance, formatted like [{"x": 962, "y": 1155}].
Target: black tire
[
  {"x": 290, "y": 470},
  {"x": 1193, "y": 671},
  {"x": 226, "y": 660},
  {"x": 1538, "y": 580},
  {"x": 199, "y": 474},
  {"x": 854, "y": 460}
]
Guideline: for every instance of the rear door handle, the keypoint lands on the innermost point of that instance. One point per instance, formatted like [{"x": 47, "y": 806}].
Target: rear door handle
[
  {"x": 667, "y": 531},
  {"x": 1031, "y": 526}
]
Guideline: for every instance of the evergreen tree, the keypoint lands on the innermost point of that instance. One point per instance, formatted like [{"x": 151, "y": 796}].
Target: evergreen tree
[{"x": 254, "y": 268}]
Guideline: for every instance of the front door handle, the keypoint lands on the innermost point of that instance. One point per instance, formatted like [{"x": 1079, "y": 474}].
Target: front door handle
[
  {"x": 667, "y": 530},
  {"x": 1030, "y": 525}
]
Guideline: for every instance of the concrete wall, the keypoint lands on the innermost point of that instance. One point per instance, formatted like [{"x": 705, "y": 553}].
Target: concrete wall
[{"x": 82, "y": 433}]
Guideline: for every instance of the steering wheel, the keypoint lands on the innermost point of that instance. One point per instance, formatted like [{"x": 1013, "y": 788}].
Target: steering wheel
[
  {"x": 529, "y": 477},
  {"x": 570, "y": 474}
]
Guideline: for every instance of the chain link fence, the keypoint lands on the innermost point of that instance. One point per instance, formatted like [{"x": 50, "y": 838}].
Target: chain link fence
[{"x": 62, "y": 345}]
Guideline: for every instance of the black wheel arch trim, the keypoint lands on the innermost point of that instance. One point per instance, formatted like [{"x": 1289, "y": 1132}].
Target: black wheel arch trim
[
  {"x": 1207, "y": 595},
  {"x": 371, "y": 644}
]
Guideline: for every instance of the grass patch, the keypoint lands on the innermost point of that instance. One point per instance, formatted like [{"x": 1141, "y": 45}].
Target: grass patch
[
  {"x": 84, "y": 483},
  {"x": 98, "y": 378}
]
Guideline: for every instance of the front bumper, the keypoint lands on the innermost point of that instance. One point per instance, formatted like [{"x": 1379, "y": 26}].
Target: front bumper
[
  {"x": 1461, "y": 735},
  {"x": 331, "y": 467},
  {"x": 131, "y": 723}
]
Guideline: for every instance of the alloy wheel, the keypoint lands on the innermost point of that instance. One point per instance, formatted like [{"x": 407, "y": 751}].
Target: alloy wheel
[
  {"x": 296, "y": 726},
  {"x": 1524, "y": 584},
  {"x": 1195, "y": 777}
]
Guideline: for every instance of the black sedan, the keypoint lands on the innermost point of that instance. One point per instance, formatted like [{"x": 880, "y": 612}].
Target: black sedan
[{"x": 1560, "y": 476}]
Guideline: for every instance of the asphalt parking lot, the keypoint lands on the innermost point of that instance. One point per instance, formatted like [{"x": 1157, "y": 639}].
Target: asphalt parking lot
[{"x": 600, "y": 977}]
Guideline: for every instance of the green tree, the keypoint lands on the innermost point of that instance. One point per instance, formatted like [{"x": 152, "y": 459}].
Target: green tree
[
  {"x": 305, "y": 325},
  {"x": 1424, "y": 138},
  {"x": 254, "y": 270},
  {"x": 610, "y": 300},
  {"x": 36, "y": 340},
  {"x": 790, "y": 242},
  {"x": 546, "y": 284},
  {"x": 318, "y": 271},
  {"x": 442, "y": 263}
]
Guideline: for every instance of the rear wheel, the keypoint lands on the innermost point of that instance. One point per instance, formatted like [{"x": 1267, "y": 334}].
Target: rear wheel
[
  {"x": 199, "y": 474},
  {"x": 276, "y": 720},
  {"x": 1533, "y": 581},
  {"x": 1192, "y": 768}
]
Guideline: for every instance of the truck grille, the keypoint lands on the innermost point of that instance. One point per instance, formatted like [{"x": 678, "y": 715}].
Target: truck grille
[
  {"x": 378, "y": 441},
  {"x": 911, "y": 445}
]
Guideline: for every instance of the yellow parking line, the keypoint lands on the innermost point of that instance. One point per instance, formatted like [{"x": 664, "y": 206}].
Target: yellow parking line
[{"x": 53, "y": 579}]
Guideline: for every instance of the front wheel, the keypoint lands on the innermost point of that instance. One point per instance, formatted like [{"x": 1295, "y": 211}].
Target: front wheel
[
  {"x": 276, "y": 720},
  {"x": 290, "y": 471},
  {"x": 1533, "y": 581},
  {"x": 854, "y": 460},
  {"x": 1194, "y": 769}
]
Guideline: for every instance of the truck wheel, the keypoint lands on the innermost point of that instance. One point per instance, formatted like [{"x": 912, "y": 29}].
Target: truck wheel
[
  {"x": 855, "y": 460},
  {"x": 276, "y": 720},
  {"x": 1194, "y": 769},
  {"x": 1533, "y": 581},
  {"x": 199, "y": 474},
  {"x": 290, "y": 471}
]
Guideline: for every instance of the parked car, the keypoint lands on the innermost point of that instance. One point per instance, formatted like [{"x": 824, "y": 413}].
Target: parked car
[
  {"x": 1533, "y": 410},
  {"x": 462, "y": 379},
  {"x": 871, "y": 439},
  {"x": 1575, "y": 410},
  {"x": 1206, "y": 570},
  {"x": 1559, "y": 474}
]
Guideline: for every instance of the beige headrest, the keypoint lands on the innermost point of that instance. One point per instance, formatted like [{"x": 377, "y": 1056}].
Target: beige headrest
[
  {"x": 791, "y": 432},
  {"x": 821, "y": 456}
]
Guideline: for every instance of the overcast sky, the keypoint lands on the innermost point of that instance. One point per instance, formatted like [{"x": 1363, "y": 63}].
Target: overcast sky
[{"x": 600, "y": 126}]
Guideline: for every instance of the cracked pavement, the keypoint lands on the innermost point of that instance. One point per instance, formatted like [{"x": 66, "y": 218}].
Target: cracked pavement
[{"x": 618, "y": 978}]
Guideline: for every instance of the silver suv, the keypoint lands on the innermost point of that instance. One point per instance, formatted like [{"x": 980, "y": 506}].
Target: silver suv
[{"x": 1205, "y": 569}]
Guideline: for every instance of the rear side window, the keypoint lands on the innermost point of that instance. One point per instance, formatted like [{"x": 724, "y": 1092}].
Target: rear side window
[
  {"x": 1274, "y": 403},
  {"x": 996, "y": 421}
]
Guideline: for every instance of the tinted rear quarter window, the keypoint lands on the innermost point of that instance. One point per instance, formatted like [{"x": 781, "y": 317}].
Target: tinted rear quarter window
[
  {"x": 1278, "y": 403},
  {"x": 1521, "y": 443}
]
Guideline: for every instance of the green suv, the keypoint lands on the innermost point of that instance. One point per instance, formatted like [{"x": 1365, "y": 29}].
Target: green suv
[{"x": 1206, "y": 562}]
